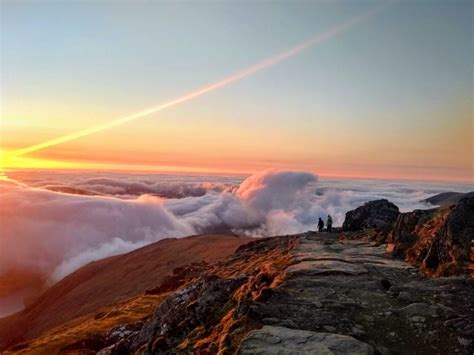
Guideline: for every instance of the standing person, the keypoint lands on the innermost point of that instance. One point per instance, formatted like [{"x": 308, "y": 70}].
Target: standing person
[
  {"x": 329, "y": 223},
  {"x": 320, "y": 224}
]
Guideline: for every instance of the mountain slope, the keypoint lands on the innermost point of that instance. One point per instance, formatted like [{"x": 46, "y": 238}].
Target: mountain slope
[
  {"x": 447, "y": 198},
  {"x": 112, "y": 280}
]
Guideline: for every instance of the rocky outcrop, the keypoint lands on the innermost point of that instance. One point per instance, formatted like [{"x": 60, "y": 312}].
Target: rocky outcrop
[
  {"x": 378, "y": 214},
  {"x": 444, "y": 243},
  {"x": 203, "y": 303},
  {"x": 437, "y": 240},
  {"x": 356, "y": 289},
  {"x": 207, "y": 310},
  {"x": 281, "y": 340},
  {"x": 405, "y": 230}
]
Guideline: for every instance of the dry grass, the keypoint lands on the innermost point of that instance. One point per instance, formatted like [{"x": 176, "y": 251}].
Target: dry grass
[
  {"x": 122, "y": 313},
  {"x": 267, "y": 270}
]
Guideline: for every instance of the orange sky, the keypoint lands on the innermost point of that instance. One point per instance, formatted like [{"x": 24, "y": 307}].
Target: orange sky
[{"x": 174, "y": 143}]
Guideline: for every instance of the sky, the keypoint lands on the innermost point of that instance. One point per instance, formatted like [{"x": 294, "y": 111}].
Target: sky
[{"x": 389, "y": 97}]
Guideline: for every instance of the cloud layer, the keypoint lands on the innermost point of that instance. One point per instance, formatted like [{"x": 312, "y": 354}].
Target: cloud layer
[{"x": 59, "y": 232}]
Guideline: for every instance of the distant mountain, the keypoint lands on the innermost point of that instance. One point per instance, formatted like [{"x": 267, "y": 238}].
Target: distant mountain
[
  {"x": 70, "y": 190},
  {"x": 447, "y": 198},
  {"x": 112, "y": 280}
]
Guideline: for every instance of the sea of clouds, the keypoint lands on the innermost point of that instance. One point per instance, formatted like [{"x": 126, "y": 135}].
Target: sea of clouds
[{"x": 109, "y": 214}]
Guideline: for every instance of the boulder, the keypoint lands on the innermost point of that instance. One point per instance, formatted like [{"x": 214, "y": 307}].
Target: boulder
[
  {"x": 281, "y": 340},
  {"x": 378, "y": 214}
]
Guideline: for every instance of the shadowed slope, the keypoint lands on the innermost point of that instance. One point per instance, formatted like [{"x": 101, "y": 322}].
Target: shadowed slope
[{"x": 447, "y": 198}]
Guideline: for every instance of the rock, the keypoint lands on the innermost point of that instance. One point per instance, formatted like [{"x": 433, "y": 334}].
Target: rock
[
  {"x": 443, "y": 243},
  {"x": 358, "y": 330},
  {"x": 465, "y": 342},
  {"x": 404, "y": 232},
  {"x": 317, "y": 304},
  {"x": 271, "y": 321},
  {"x": 406, "y": 296},
  {"x": 417, "y": 319},
  {"x": 280, "y": 340},
  {"x": 379, "y": 214},
  {"x": 288, "y": 324},
  {"x": 453, "y": 244},
  {"x": 203, "y": 302},
  {"x": 419, "y": 309},
  {"x": 438, "y": 240},
  {"x": 326, "y": 267}
]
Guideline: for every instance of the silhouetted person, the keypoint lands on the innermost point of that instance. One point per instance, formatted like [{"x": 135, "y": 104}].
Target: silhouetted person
[
  {"x": 329, "y": 223},
  {"x": 320, "y": 224}
]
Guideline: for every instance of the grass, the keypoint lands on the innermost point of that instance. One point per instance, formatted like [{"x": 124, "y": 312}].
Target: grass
[{"x": 121, "y": 313}]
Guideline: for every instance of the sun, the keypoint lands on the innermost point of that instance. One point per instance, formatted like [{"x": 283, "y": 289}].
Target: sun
[{"x": 10, "y": 162}]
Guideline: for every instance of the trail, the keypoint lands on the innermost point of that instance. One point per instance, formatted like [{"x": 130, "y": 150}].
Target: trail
[{"x": 372, "y": 302}]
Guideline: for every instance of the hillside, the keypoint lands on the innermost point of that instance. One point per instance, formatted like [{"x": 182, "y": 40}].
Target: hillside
[
  {"x": 308, "y": 293},
  {"x": 112, "y": 280}
]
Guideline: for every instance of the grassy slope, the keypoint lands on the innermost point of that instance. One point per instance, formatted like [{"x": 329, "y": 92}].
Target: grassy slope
[{"x": 112, "y": 280}]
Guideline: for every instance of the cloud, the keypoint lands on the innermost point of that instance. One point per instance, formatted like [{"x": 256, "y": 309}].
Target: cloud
[
  {"x": 42, "y": 229},
  {"x": 57, "y": 233},
  {"x": 251, "y": 207},
  {"x": 132, "y": 185},
  {"x": 114, "y": 247}
]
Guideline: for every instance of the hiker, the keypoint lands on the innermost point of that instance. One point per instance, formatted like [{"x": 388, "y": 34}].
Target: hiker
[
  {"x": 320, "y": 224},
  {"x": 329, "y": 223}
]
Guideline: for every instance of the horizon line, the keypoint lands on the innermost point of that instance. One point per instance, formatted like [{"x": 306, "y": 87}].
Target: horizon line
[{"x": 223, "y": 172}]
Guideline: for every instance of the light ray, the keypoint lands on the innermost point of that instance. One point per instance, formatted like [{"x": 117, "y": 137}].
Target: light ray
[{"x": 203, "y": 90}]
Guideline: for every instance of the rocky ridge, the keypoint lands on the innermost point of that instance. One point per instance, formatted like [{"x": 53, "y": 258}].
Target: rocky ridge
[
  {"x": 309, "y": 293},
  {"x": 354, "y": 288},
  {"x": 437, "y": 240}
]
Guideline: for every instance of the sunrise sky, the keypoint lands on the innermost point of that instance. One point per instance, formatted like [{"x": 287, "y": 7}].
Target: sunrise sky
[{"x": 389, "y": 97}]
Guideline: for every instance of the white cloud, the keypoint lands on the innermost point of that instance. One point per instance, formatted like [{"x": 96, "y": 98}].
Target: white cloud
[{"x": 57, "y": 232}]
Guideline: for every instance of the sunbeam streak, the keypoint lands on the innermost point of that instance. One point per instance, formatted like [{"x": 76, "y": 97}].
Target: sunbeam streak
[{"x": 334, "y": 31}]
